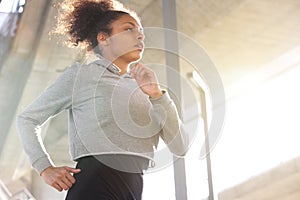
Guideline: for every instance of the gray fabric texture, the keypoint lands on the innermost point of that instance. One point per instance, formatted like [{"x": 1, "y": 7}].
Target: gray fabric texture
[{"x": 108, "y": 114}]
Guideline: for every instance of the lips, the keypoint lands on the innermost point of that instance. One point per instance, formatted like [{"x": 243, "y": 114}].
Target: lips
[{"x": 139, "y": 46}]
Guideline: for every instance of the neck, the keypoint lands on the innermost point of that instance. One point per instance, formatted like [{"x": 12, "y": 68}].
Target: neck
[{"x": 122, "y": 65}]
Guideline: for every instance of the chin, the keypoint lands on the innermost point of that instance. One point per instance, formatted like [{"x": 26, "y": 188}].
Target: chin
[{"x": 134, "y": 56}]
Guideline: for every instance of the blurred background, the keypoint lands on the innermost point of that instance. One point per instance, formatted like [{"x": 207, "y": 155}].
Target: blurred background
[{"x": 255, "y": 47}]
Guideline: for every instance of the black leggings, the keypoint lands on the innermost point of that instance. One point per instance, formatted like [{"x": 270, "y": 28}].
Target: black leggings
[{"x": 97, "y": 181}]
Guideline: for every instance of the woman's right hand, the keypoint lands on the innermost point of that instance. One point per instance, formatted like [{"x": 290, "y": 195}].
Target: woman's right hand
[{"x": 60, "y": 178}]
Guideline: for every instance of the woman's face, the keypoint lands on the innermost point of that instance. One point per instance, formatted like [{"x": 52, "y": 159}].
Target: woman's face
[{"x": 126, "y": 41}]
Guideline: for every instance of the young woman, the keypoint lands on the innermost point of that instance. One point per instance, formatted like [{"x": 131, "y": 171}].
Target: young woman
[{"x": 116, "y": 115}]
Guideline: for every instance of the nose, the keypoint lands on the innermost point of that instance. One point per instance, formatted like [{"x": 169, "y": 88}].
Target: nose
[{"x": 141, "y": 35}]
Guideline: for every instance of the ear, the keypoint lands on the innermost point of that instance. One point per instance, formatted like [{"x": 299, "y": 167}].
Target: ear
[{"x": 102, "y": 39}]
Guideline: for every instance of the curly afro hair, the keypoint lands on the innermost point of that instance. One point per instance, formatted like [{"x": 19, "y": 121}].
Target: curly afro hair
[{"x": 82, "y": 20}]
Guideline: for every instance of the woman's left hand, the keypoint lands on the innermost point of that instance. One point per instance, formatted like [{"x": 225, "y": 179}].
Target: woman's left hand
[{"x": 146, "y": 79}]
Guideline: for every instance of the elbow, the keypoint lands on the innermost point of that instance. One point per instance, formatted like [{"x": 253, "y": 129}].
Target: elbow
[
  {"x": 23, "y": 121},
  {"x": 180, "y": 143},
  {"x": 19, "y": 120},
  {"x": 27, "y": 118},
  {"x": 179, "y": 151},
  {"x": 179, "y": 146},
  {"x": 20, "y": 124}
]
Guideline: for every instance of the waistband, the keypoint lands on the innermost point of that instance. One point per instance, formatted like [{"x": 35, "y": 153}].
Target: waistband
[{"x": 122, "y": 162}]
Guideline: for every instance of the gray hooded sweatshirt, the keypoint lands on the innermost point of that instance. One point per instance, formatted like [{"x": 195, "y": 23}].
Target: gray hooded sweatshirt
[{"x": 108, "y": 114}]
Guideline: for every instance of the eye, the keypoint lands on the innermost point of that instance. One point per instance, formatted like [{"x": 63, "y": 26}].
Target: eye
[{"x": 129, "y": 29}]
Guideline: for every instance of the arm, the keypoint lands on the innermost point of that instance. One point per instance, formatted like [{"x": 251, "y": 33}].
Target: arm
[
  {"x": 164, "y": 108},
  {"x": 53, "y": 100},
  {"x": 172, "y": 131}
]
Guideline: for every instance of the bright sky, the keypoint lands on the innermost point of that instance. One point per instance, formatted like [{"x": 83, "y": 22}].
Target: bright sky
[{"x": 262, "y": 125}]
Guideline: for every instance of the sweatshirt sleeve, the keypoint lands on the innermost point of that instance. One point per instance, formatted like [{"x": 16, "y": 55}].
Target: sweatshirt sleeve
[
  {"x": 54, "y": 99},
  {"x": 172, "y": 132}
]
